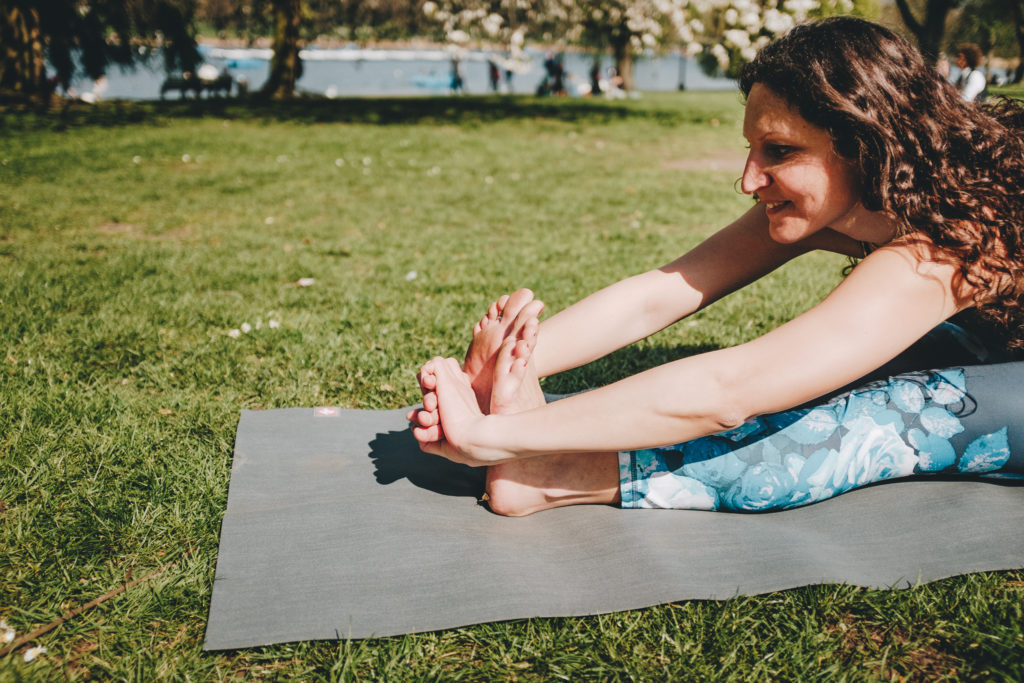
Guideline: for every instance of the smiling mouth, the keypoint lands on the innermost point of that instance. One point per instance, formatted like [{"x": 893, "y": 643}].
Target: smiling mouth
[{"x": 771, "y": 206}]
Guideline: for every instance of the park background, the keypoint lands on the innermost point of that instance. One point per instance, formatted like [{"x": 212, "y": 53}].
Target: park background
[{"x": 164, "y": 265}]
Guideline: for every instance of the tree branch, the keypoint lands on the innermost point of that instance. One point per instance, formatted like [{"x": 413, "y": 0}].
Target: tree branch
[{"x": 71, "y": 614}]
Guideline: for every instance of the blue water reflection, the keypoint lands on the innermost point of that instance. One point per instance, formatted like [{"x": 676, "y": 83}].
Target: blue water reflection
[{"x": 355, "y": 72}]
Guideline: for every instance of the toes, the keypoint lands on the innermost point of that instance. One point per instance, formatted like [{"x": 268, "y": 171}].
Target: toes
[
  {"x": 529, "y": 332},
  {"x": 516, "y": 301},
  {"x": 503, "y": 363},
  {"x": 521, "y": 352},
  {"x": 530, "y": 311}
]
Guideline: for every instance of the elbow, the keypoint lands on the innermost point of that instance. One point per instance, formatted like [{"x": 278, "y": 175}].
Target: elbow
[{"x": 729, "y": 400}]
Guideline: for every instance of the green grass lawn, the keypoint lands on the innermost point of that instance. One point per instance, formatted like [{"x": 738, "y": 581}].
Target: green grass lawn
[{"x": 137, "y": 242}]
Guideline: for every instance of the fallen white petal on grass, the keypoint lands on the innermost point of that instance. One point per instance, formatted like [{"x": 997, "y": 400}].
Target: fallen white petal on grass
[
  {"x": 268, "y": 220},
  {"x": 489, "y": 180},
  {"x": 306, "y": 282},
  {"x": 6, "y": 632},
  {"x": 274, "y": 324},
  {"x": 234, "y": 334},
  {"x": 186, "y": 158},
  {"x": 34, "y": 652},
  {"x": 339, "y": 162},
  {"x": 367, "y": 161},
  {"x": 246, "y": 327},
  {"x": 436, "y": 170},
  {"x": 411, "y": 275},
  {"x": 136, "y": 159}
]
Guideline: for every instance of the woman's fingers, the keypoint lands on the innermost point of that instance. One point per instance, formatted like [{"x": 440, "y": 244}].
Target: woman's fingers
[{"x": 428, "y": 437}]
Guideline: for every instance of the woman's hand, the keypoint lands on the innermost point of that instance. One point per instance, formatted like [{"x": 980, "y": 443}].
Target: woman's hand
[{"x": 451, "y": 424}]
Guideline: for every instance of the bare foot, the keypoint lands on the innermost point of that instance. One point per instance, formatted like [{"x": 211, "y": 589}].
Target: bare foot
[
  {"x": 522, "y": 487},
  {"x": 486, "y": 334},
  {"x": 515, "y": 386},
  {"x": 504, "y": 319}
]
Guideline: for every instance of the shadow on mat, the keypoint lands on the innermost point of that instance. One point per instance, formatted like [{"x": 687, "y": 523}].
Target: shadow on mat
[{"x": 396, "y": 456}]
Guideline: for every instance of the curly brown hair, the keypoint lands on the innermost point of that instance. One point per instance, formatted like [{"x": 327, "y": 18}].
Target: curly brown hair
[{"x": 948, "y": 169}]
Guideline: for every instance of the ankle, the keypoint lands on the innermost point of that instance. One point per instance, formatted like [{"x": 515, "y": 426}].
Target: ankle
[{"x": 509, "y": 498}]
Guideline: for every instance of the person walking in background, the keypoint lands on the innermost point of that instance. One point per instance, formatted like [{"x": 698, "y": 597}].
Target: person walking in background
[
  {"x": 971, "y": 80},
  {"x": 494, "y": 75},
  {"x": 457, "y": 84}
]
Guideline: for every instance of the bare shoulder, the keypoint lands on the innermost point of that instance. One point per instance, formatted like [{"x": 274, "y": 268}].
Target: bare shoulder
[{"x": 911, "y": 263}]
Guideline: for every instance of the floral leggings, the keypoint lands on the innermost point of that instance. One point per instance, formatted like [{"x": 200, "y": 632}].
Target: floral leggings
[{"x": 961, "y": 420}]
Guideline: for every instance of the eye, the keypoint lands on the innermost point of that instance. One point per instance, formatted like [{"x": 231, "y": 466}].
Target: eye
[{"x": 779, "y": 152}]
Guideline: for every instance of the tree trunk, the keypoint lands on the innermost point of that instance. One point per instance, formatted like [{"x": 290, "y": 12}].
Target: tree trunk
[
  {"x": 286, "y": 66},
  {"x": 932, "y": 30},
  {"x": 1018, "y": 22},
  {"x": 22, "y": 55},
  {"x": 624, "y": 63}
]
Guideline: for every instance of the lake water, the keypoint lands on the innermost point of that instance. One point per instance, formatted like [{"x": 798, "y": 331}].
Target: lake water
[{"x": 356, "y": 72}]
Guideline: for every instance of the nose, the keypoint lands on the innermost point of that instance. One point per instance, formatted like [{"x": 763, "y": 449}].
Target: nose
[{"x": 754, "y": 176}]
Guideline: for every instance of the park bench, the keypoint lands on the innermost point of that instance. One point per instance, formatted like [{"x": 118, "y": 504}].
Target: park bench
[{"x": 221, "y": 85}]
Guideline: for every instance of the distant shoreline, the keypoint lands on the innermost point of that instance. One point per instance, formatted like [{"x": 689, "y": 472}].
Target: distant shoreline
[{"x": 410, "y": 44}]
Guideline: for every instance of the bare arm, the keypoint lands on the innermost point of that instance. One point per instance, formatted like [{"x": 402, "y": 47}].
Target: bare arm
[
  {"x": 889, "y": 301},
  {"x": 639, "y": 306}
]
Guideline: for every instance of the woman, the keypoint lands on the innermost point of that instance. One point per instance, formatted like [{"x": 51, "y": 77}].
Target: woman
[{"x": 858, "y": 147}]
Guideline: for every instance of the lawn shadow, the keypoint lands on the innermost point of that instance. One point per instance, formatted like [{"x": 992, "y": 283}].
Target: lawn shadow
[
  {"x": 465, "y": 110},
  {"x": 396, "y": 456}
]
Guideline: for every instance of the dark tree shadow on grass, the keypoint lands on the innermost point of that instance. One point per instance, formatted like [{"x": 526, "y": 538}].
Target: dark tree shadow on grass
[{"x": 382, "y": 111}]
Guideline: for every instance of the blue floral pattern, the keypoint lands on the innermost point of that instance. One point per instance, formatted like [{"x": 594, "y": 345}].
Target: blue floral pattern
[{"x": 884, "y": 430}]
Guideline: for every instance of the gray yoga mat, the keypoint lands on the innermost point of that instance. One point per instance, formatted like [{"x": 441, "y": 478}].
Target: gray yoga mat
[{"x": 337, "y": 526}]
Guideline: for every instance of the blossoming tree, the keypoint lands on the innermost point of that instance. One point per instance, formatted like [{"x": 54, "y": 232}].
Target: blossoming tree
[{"x": 723, "y": 34}]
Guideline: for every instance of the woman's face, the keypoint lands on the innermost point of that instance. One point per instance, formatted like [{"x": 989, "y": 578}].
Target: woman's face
[{"x": 794, "y": 170}]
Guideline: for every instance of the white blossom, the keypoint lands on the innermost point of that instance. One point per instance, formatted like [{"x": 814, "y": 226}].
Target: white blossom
[
  {"x": 737, "y": 38},
  {"x": 458, "y": 36},
  {"x": 34, "y": 652},
  {"x": 777, "y": 22},
  {"x": 721, "y": 54},
  {"x": 492, "y": 24}
]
